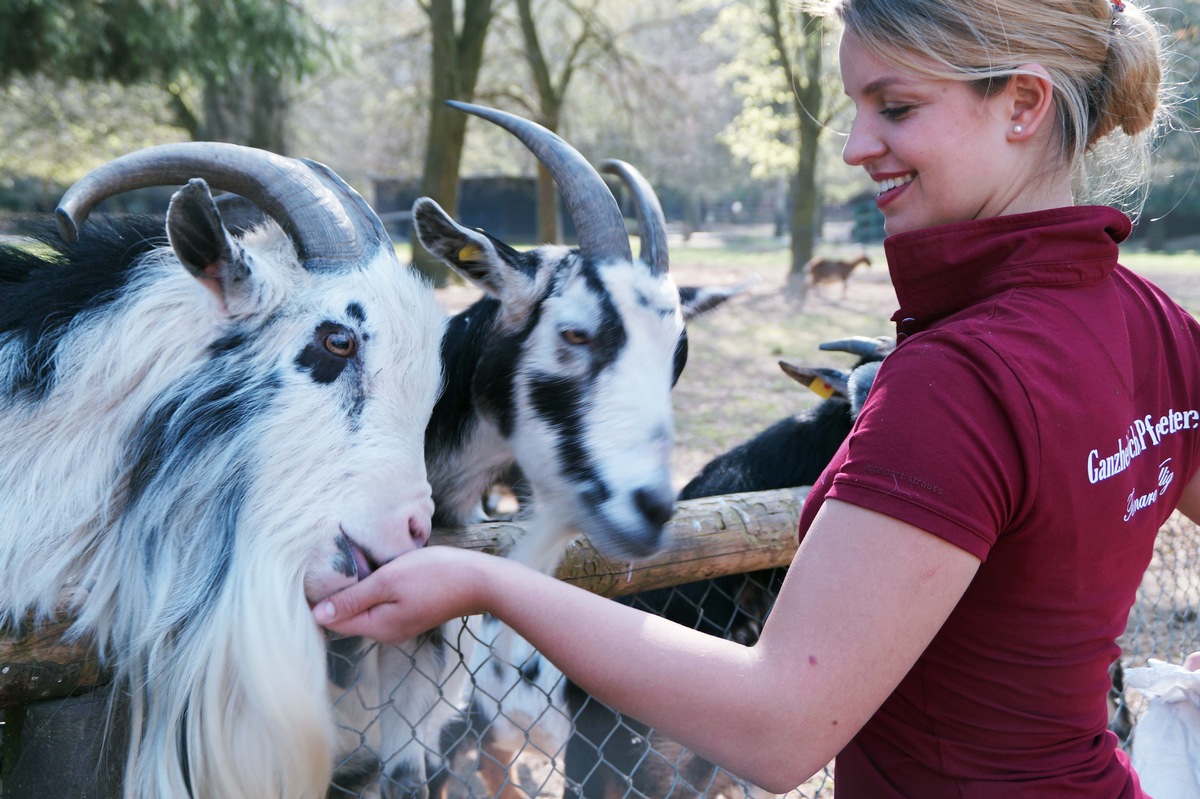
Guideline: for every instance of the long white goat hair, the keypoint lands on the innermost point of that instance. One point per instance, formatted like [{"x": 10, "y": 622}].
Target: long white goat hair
[{"x": 185, "y": 458}]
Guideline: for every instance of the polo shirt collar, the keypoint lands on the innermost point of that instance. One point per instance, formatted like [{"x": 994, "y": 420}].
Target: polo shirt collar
[{"x": 940, "y": 270}]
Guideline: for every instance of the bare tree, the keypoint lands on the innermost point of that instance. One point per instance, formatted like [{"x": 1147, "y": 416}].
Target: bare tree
[
  {"x": 552, "y": 91},
  {"x": 808, "y": 99},
  {"x": 457, "y": 54}
]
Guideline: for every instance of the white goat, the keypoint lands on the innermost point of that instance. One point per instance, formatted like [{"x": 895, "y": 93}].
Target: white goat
[
  {"x": 563, "y": 370},
  {"x": 201, "y": 439}
]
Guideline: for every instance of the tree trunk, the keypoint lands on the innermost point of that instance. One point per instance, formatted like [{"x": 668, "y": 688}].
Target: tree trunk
[
  {"x": 549, "y": 222},
  {"x": 804, "y": 75},
  {"x": 456, "y": 58},
  {"x": 550, "y": 102},
  {"x": 252, "y": 112}
]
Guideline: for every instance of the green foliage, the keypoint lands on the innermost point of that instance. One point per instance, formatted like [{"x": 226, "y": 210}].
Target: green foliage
[
  {"x": 766, "y": 132},
  {"x": 135, "y": 41},
  {"x": 56, "y": 130}
]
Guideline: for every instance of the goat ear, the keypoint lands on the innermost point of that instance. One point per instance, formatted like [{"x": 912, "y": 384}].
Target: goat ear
[
  {"x": 200, "y": 240},
  {"x": 471, "y": 253},
  {"x": 699, "y": 300}
]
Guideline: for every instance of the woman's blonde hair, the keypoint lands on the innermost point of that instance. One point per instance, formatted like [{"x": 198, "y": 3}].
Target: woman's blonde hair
[{"x": 1104, "y": 59}]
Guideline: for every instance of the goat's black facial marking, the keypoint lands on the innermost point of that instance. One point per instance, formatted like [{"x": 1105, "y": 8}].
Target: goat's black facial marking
[
  {"x": 331, "y": 350},
  {"x": 356, "y": 312},
  {"x": 558, "y": 402},
  {"x": 609, "y": 337}
]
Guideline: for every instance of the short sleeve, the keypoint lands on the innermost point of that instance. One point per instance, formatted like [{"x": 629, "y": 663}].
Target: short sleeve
[{"x": 946, "y": 442}]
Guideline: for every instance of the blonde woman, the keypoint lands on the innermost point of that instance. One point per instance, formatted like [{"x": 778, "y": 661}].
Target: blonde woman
[{"x": 971, "y": 554}]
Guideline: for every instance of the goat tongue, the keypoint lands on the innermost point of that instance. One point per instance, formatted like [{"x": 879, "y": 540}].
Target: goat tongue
[{"x": 362, "y": 564}]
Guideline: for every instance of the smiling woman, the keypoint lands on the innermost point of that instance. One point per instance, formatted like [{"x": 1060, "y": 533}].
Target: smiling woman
[{"x": 959, "y": 123}]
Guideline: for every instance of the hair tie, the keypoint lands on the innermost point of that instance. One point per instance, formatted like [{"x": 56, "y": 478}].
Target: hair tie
[{"x": 1118, "y": 6}]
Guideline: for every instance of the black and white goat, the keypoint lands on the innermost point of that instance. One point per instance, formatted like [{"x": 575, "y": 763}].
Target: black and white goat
[
  {"x": 611, "y": 755},
  {"x": 204, "y": 432},
  {"x": 564, "y": 370}
]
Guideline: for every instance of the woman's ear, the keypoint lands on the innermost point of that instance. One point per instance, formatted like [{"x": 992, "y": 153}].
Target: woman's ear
[{"x": 1030, "y": 96}]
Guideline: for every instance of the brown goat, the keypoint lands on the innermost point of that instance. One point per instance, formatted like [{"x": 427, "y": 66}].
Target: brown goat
[{"x": 827, "y": 270}]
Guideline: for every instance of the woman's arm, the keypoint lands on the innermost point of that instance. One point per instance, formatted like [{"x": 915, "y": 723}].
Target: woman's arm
[{"x": 864, "y": 596}]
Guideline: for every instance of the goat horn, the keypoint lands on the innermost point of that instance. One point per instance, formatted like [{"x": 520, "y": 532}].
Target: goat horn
[
  {"x": 592, "y": 206},
  {"x": 331, "y": 224},
  {"x": 652, "y": 225},
  {"x": 861, "y": 346}
]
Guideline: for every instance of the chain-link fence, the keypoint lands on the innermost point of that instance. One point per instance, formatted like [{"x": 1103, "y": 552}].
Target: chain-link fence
[{"x": 499, "y": 742}]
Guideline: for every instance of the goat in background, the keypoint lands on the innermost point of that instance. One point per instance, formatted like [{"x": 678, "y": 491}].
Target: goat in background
[
  {"x": 820, "y": 270},
  {"x": 205, "y": 431}
]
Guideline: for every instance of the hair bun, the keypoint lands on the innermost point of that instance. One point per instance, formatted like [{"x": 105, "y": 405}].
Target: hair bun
[{"x": 1130, "y": 78}]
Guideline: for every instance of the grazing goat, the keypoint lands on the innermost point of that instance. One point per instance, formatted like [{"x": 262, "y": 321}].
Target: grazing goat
[
  {"x": 611, "y": 753},
  {"x": 827, "y": 270},
  {"x": 563, "y": 369},
  {"x": 206, "y": 430}
]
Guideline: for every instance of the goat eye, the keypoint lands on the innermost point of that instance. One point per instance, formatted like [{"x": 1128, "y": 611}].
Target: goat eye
[
  {"x": 341, "y": 344},
  {"x": 575, "y": 337}
]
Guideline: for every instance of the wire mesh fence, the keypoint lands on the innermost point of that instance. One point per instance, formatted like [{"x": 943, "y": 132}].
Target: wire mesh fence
[{"x": 504, "y": 723}]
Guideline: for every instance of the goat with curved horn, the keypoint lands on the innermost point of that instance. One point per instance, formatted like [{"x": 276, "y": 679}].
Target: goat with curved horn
[
  {"x": 330, "y": 224},
  {"x": 593, "y": 208},
  {"x": 652, "y": 224}
]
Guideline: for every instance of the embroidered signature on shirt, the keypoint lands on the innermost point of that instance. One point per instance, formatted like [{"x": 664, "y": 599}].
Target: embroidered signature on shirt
[{"x": 1137, "y": 503}]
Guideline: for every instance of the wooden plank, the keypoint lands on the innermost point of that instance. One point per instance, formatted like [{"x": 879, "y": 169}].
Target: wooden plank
[
  {"x": 38, "y": 664},
  {"x": 706, "y": 538}
]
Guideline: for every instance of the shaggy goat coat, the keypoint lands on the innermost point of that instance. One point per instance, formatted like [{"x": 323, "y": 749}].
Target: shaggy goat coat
[{"x": 193, "y": 456}]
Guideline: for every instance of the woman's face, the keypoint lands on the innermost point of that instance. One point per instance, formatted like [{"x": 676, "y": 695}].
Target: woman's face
[{"x": 937, "y": 150}]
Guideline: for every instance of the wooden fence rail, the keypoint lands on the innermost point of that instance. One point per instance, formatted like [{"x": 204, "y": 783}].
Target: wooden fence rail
[
  {"x": 706, "y": 538},
  {"x": 54, "y": 712}
]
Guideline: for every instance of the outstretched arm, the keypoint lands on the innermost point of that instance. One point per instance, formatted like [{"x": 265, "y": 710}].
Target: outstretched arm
[{"x": 864, "y": 596}]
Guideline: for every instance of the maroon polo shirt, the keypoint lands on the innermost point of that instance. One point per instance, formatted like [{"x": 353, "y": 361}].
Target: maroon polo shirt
[{"x": 1041, "y": 413}]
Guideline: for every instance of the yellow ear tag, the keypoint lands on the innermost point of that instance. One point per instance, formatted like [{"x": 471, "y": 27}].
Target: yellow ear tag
[
  {"x": 472, "y": 252},
  {"x": 821, "y": 388}
]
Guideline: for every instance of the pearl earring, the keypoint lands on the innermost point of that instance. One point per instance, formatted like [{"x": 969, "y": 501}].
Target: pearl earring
[{"x": 1017, "y": 129}]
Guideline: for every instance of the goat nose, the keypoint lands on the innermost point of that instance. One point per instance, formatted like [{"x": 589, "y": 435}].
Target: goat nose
[
  {"x": 408, "y": 527},
  {"x": 655, "y": 506},
  {"x": 419, "y": 528}
]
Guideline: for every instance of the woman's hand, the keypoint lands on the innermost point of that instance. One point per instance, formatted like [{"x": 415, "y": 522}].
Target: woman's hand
[
  {"x": 409, "y": 595},
  {"x": 1192, "y": 662}
]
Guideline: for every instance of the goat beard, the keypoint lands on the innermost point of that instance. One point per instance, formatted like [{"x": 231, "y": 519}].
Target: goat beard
[{"x": 239, "y": 708}]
